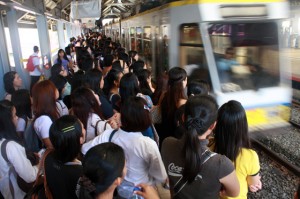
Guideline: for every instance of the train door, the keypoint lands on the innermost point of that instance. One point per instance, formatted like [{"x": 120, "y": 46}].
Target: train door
[
  {"x": 147, "y": 47},
  {"x": 123, "y": 43},
  {"x": 127, "y": 39},
  {"x": 132, "y": 39},
  {"x": 139, "y": 41},
  {"x": 192, "y": 55},
  {"x": 165, "y": 47},
  {"x": 156, "y": 52}
]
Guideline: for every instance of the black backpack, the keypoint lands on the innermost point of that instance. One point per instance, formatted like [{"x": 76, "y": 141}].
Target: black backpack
[{"x": 31, "y": 140}]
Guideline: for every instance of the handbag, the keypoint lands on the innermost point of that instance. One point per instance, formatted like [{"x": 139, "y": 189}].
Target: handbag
[{"x": 40, "y": 188}]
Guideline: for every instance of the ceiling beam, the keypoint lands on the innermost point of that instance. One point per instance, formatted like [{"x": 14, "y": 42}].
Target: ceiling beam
[{"x": 121, "y": 4}]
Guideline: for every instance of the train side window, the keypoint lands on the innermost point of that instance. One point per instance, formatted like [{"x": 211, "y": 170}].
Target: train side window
[{"x": 192, "y": 56}]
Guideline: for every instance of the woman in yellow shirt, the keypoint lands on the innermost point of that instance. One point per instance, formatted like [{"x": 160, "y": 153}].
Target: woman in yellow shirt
[{"x": 232, "y": 140}]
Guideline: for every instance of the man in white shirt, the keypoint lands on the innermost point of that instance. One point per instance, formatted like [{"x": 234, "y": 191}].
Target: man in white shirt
[{"x": 36, "y": 73}]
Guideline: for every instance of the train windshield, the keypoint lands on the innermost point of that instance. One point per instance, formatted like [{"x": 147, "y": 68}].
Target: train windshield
[{"x": 246, "y": 55}]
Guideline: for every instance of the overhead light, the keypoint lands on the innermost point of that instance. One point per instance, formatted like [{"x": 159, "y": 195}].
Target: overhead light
[
  {"x": 26, "y": 22},
  {"x": 3, "y": 3},
  {"x": 48, "y": 14},
  {"x": 24, "y": 10},
  {"x": 50, "y": 17}
]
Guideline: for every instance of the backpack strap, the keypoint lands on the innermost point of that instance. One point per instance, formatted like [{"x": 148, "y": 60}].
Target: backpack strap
[
  {"x": 105, "y": 125},
  {"x": 111, "y": 96},
  {"x": 47, "y": 190},
  {"x": 11, "y": 168},
  {"x": 112, "y": 134},
  {"x": 96, "y": 127},
  {"x": 206, "y": 155}
]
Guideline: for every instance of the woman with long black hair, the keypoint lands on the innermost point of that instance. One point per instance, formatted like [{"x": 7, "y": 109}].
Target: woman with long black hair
[
  {"x": 172, "y": 100},
  {"x": 194, "y": 171},
  {"x": 231, "y": 139},
  {"x": 62, "y": 59}
]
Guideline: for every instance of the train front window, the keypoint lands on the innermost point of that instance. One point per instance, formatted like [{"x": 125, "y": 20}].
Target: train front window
[{"x": 246, "y": 55}]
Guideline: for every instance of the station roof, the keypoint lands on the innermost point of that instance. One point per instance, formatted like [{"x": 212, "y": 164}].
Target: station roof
[{"x": 61, "y": 9}]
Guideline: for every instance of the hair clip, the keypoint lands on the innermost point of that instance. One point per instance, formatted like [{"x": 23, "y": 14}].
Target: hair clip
[
  {"x": 67, "y": 129},
  {"x": 146, "y": 108}
]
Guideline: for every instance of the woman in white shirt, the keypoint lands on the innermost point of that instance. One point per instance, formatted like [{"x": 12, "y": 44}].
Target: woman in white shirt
[
  {"x": 143, "y": 160},
  {"x": 45, "y": 111},
  {"x": 15, "y": 153},
  {"x": 86, "y": 107}
]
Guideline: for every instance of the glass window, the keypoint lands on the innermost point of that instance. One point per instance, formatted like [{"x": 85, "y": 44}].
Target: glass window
[
  {"x": 192, "y": 56},
  {"x": 147, "y": 33},
  {"x": 139, "y": 32},
  {"x": 132, "y": 32},
  {"x": 246, "y": 58},
  {"x": 190, "y": 34}
]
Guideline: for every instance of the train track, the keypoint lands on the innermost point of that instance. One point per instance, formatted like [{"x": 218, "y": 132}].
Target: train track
[{"x": 273, "y": 155}]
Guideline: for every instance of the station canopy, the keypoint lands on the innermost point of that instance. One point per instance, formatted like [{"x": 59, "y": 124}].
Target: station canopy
[{"x": 69, "y": 10}]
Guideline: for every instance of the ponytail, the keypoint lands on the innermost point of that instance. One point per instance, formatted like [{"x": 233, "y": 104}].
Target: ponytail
[
  {"x": 86, "y": 188},
  {"x": 192, "y": 154},
  {"x": 200, "y": 114}
]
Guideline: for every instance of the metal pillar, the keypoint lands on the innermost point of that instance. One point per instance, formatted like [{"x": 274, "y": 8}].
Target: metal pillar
[
  {"x": 78, "y": 30},
  {"x": 61, "y": 36},
  {"x": 69, "y": 30},
  {"x": 16, "y": 46},
  {"x": 42, "y": 26},
  {"x": 74, "y": 31},
  {"x": 4, "y": 61}
]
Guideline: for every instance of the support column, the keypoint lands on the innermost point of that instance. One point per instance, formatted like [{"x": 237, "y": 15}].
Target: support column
[
  {"x": 16, "y": 46},
  {"x": 42, "y": 26},
  {"x": 74, "y": 31},
  {"x": 78, "y": 30},
  {"x": 69, "y": 30},
  {"x": 61, "y": 36},
  {"x": 4, "y": 60}
]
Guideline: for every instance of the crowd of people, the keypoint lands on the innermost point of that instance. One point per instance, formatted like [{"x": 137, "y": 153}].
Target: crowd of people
[{"x": 99, "y": 121}]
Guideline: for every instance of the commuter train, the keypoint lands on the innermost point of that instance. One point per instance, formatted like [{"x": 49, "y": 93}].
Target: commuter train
[{"x": 195, "y": 35}]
